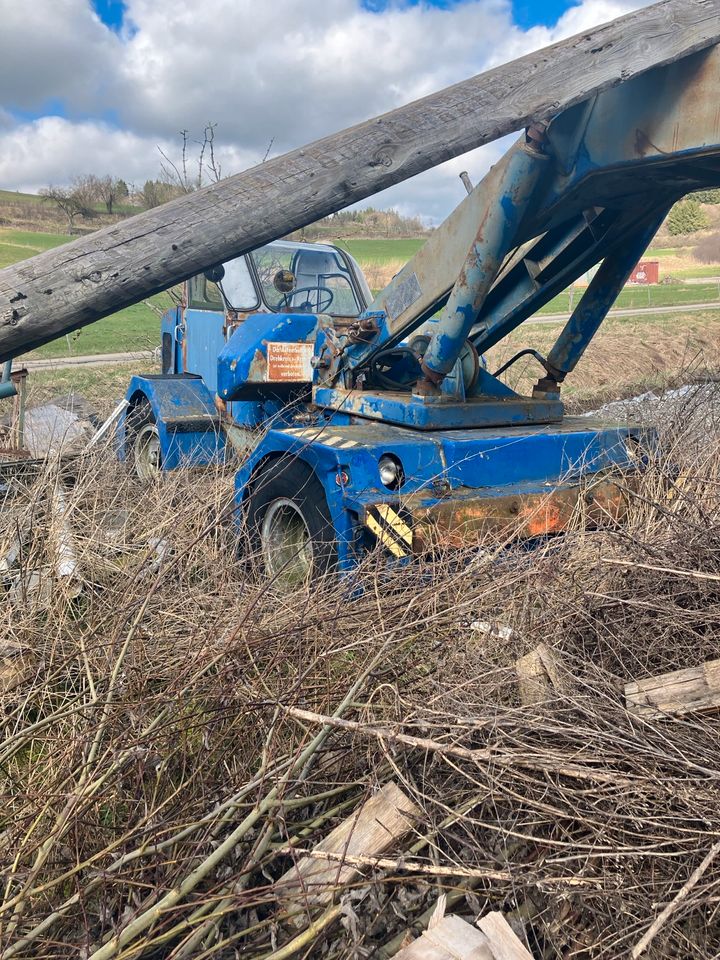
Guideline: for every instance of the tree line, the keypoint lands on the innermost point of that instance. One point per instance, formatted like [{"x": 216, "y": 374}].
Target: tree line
[{"x": 87, "y": 197}]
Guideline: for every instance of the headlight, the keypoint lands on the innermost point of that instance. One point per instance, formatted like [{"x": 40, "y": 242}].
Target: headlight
[{"x": 391, "y": 471}]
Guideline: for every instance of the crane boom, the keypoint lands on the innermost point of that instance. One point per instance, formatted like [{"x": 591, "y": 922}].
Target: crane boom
[{"x": 74, "y": 285}]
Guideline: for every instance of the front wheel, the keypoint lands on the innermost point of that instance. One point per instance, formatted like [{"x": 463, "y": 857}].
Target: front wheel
[
  {"x": 291, "y": 534},
  {"x": 144, "y": 447}
]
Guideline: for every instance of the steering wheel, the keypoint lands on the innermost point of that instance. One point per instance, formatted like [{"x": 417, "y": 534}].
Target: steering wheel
[{"x": 324, "y": 294}]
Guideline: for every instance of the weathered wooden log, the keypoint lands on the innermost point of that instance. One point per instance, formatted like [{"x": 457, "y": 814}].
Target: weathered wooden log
[
  {"x": 73, "y": 285},
  {"x": 694, "y": 690}
]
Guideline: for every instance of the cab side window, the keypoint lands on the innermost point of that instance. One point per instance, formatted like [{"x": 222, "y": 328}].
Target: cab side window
[
  {"x": 237, "y": 284},
  {"x": 203, "y": 294}
]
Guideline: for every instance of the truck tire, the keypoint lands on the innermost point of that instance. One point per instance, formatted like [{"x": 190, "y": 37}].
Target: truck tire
[
  {"x": 290, "y": 532},
  {"x": 142, "y": 446}
]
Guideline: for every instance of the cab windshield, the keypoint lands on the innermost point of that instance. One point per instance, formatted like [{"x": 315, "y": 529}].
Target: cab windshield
[{"x": 296, "y": 278}]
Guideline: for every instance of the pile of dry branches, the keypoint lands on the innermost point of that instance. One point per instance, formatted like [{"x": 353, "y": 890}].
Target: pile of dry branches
[{"x": 174, "y": 733}]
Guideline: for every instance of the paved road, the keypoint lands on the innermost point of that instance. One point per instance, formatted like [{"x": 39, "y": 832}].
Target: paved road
[
  {"x": 636, "y": 311},
  {"x": 106, "y": 359},
  {"x": 92, "y": 360}
]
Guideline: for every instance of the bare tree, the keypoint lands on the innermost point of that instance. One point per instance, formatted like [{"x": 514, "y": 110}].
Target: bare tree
[
  {"x": 179, "y": 173},
  {"x": 110, "y": 190},
  {"x": 87, "y": 190},
  {"x": 69, "y": 201},
  {"x": 156, "y": 192}
]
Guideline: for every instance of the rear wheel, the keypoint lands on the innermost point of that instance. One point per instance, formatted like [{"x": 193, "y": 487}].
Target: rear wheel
[
  {"x": 143, "y": 445},
  {"x": 292, "y": 537}
]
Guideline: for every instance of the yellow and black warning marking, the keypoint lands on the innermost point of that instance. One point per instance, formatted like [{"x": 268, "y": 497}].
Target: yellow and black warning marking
[
  {"x": 391, "y": 526},
  {"x": 323, "y": 435}
]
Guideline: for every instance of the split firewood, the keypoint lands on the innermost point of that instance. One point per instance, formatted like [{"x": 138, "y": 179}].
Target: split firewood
[
  {"x": 13, "y": 667},
  {"x": 538, "y": 675},
  {"x": 67, "y": 566},
  {"x": 693, "y": 690},
  {"x": 504, "y": 942},
  {"x": 452, "y": 938},
  {"x": 370, "y": 831}
]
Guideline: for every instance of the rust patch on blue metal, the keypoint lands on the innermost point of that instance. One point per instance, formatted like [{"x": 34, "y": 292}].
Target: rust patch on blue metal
[{"x": 462, "y": 523}]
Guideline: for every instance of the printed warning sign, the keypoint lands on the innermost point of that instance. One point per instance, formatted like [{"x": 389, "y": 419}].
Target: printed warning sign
[{"x": 289, "y": 362}]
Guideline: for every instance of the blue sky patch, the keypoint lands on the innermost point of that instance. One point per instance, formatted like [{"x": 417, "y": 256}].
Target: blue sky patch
[
  {"x": 111, "y": 12},
  {"x": 530, "y": 13},
  {"x": 526, "y": 13}
]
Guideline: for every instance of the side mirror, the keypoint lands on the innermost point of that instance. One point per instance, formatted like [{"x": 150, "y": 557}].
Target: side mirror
[
  {"x": 215, "y": 274},
  {"x": 284, "y": 281}
]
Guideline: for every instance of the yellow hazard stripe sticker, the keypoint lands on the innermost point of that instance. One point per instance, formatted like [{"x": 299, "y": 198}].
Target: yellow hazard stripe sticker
[
  {"x": 395, "y": 521},
  {"x": 385, "y": 538}
]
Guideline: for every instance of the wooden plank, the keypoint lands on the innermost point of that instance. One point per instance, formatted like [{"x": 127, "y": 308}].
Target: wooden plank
[
  {"x": 451, "y": 939},
  {"x": 374, "y": 828},
  {"x": 73, "y": 285},
  {"x": 504, "y": 943},
  {"x": 692, "y": 690},
  {"x": 538, "y": 675}
]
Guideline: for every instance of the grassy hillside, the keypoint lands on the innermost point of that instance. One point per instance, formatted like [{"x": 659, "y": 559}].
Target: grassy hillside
[{"x": 15, "y": 197}]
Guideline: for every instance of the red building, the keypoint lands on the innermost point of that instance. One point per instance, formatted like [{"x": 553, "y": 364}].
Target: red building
[{"x": 647, "y": 271}]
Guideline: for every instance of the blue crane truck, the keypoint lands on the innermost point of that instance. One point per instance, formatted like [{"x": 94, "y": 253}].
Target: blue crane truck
[{"x": 372, "y": 422}]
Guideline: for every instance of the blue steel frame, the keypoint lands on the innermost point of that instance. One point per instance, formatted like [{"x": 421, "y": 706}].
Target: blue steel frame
[
  {"x": 617, "y": 164},
  {"x": 184, "y": 411},
  {"x": 441, "y": 467}
]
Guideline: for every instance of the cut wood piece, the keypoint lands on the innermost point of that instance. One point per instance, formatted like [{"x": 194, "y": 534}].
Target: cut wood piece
[
  {"x": 504, "y": 943},
  {"x": 693, "y": 690},
  {"x": 451, "y": 939},
  {"x": 368, "y": 832},
  {"x": 13, "y": 669},
  {"x": 538, "y": 675},
  {"x": 80, "y": 282}
]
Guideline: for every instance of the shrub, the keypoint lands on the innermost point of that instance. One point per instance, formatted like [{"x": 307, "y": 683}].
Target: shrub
[
  {"x": 707, "y": 196},
  {"x": 687, "y": 216}
]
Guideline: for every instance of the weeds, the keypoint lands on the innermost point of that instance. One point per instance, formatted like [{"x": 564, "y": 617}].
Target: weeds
[{"x": 177, "y": 732}]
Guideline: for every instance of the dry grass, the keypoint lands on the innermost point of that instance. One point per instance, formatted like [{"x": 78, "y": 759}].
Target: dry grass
[
  {"x": 625, "y": 357},
  {"x": 379, "y": 273},
  {"x": 153, "y": 780}
]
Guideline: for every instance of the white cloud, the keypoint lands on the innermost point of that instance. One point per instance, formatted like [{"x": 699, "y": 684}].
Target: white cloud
[
  {"x": 54, "y": 150},
  {"x": 280, "y": 69},
  {"x": 54, "y": 50}
]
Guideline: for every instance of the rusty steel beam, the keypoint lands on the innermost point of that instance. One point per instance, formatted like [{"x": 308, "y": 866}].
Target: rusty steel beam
[{"x": 76, "y": 284}]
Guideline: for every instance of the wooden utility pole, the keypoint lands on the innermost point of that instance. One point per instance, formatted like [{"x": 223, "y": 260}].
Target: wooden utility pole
[{"x": 73, "y": 285}]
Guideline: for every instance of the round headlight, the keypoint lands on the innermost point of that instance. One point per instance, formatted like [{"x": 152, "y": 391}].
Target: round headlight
[{"x": 391, "y": 472}]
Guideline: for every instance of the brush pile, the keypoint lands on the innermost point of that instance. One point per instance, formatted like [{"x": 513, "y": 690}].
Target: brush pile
[{"x": 176, "y": 735}]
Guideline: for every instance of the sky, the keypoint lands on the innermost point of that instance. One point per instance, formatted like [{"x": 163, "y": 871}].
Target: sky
[{"x": 102, "y": 86}]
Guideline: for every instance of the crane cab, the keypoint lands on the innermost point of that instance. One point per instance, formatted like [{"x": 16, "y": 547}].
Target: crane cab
[
  {"x": 282, "y": 278},
  {"x": 237, "y": 352}
]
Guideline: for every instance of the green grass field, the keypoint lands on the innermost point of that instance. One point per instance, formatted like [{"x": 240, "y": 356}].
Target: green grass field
[
  {"x": 381, "y": 250},
  {"x": 134, "y": 328},
  {"x": 655, "y": 252},
  {"x": 641, "y": 297},
  {"x": 14, "y": 196}
]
